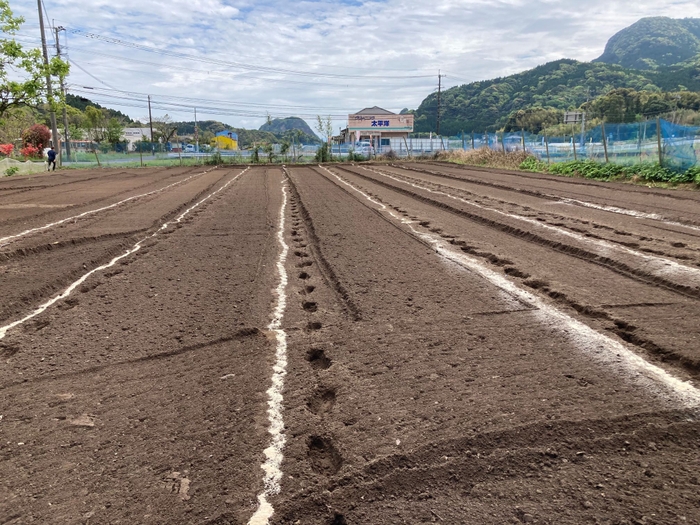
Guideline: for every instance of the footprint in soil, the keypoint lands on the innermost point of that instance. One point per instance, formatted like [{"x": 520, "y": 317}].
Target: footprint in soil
[
  {"x": 304, "y": 275},
  {"x": 322, "y": 401},
  {"x": 299, "y": 253},
  {"x": 309, "y": 289},
  {"x": 304, "y": 264},
  {"x": 314, "y": 326},
  {"x": 323, "y": 456},
  {"x": 309, "y": 306},
  {"x": 318, "y": 359},
  {"x": 338, "y": 519}
]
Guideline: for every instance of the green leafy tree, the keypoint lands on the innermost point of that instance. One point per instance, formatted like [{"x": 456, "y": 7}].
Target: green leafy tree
[
  {"x": 113, "y": 132},
  {"x": 95, "y": 124},
  {"x": 22, "y": 71}
]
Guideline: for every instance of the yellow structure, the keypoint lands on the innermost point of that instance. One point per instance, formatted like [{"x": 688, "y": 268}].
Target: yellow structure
[{"x": 226, "y": 140}]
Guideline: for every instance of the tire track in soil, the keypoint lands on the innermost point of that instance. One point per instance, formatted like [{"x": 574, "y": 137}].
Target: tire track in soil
[
  {"x": 135, "y": 248},
  {"x": 574, "y": 251}
]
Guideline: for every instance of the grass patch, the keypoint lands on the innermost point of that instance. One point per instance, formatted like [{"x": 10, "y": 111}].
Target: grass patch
[
  {"x": 485, "y": 157},
  {"x": 588, "y": 169}
]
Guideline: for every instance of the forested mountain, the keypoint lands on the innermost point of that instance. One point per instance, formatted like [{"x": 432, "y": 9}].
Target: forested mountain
[
  {"x": 247, "y": 137},
  {"x": 280, "y": 125},
  {"x": 654, "y": 42},
  {"x": 81, "y": 103},
  {"x": 666, "y": 48}
]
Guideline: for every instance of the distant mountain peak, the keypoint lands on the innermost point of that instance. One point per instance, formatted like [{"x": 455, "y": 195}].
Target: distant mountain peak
[
  {"x": 654, "y": 42},
  {"x": 280, "y": 125}
]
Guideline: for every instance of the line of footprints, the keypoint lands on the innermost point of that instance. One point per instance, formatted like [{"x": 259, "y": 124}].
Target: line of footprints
[{"x": 323, "y": 456}]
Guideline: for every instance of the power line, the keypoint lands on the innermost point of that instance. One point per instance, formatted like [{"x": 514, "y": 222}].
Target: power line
[
  {"x": 238, "y": 65},
  {"x": 88, "y": 73},
  {"x": 229, "y": 73}
]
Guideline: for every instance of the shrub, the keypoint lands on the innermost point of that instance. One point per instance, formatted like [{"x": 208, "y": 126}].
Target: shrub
[
  {"x": 215, "y": 159},
  {"x": 6, "y": 149},
  {"x": 323, "y": 153},
  {"x": 36, "y": 135},
  {"x": 32, "y": 152},
  {"x": 12, "y": 170}
]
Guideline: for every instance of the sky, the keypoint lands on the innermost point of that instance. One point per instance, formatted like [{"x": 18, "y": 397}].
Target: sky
[{"x": 240, "y": 61}]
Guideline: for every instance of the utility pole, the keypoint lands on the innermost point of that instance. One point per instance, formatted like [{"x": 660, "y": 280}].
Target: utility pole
[
  {"x": 49, "y": 89},
  {"x": 150, "y": 118},
  {"x": 196, "y": 132},
  {"x": 439, "y": 100},
  {"x": 66, "y": 138}
]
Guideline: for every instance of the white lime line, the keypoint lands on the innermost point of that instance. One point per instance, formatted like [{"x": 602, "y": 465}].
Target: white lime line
[
  {"x": 136, "y": 247},
  {"x": 600, "y": 347},
  {"x": 6, "y": 240},
  {"x": 274, "y": 453},
  {"x": 655, "y": 265},
  {"x": 630, "y": 213}
]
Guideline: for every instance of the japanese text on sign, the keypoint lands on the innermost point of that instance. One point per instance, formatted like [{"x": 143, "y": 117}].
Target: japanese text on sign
[{"x": 382, "y": 123}]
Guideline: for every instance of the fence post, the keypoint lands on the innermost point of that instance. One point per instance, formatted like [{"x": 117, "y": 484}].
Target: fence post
[
  {"x": 98, "y": 158},
  {"x": 658, "y": 140},
  {"x": 473, "y": 143},
  {"x": 141, "y": 155},
  {"x": 546, "y": 145},
  {"x": 573, "y": 142},
  {"x": 605, "y": 143},
  {"x": 503, "y": 141},
  {"x": 179, "y": 154},
  {"x": 522, "y": 136}
]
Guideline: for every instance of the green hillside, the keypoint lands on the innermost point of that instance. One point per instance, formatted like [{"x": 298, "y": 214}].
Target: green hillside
[
  {"x": 280, "y": 125},
  {"x": 564, "y": 84},
  {"x": 654, "y": 42}
]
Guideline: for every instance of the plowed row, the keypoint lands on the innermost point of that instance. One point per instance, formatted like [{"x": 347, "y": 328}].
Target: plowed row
[{"x": 462, "y": 346}]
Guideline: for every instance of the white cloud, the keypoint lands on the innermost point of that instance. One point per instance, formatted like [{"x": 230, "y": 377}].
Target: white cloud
[{"x": 467, "y": 40}]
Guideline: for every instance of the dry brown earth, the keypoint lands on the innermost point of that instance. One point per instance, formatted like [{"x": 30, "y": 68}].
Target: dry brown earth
[{"x": 464, "y": 346}]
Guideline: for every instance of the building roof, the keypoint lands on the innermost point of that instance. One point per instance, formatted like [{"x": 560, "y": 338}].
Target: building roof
[
  {"x": 376, "y": 110},
  {"x": 227, "y": 133}
]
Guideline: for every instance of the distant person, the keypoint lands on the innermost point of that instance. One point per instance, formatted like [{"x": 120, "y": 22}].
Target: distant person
[{"x": 52, "y": 159}]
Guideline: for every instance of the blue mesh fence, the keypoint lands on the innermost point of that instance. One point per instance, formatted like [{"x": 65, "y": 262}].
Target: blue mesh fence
[{"x": 625, "y": 144}]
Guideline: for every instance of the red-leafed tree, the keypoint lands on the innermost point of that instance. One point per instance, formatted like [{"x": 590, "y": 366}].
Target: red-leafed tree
[{"x": 37, "y": 135}]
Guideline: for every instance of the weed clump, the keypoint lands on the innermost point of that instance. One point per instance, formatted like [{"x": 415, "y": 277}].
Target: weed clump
[{"x": 485, "y": 157}]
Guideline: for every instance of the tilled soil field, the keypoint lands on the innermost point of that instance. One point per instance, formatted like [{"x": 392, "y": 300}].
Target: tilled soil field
[{"x": 351, "y": 344}]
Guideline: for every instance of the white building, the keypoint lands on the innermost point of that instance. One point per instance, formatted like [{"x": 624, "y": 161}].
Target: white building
[{"x": 132, "y": 135}]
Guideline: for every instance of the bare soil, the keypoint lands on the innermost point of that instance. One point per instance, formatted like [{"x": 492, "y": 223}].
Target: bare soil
[{"x": 494, "y": 385}]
